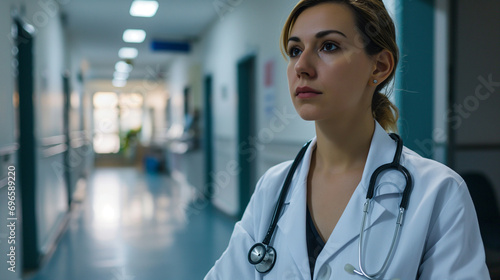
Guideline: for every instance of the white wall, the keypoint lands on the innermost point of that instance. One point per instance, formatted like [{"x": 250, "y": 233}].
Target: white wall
[
  {"x": 178, "y": 79},
  {"x": 6, "y": 76},
  {"x": 242, "y": 28},
  {"x": 251, "y": 27},
  {"x": 49, "y": 67},
  {"x": 49, "y": 52}
]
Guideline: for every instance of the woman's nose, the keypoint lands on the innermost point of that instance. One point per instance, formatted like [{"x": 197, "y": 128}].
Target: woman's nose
[{"x": 304, "y": 66}]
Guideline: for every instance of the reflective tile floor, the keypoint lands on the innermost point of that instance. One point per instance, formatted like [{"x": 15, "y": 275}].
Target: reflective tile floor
[{"x": 136, "y": 226}]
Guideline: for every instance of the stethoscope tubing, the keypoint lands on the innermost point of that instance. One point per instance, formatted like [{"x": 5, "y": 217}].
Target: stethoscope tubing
[
  {"x": 284, "y": 192},
  {"x": 264, "y": 263},
  {"x": 397, "y": 230},
  {"x": 394, "y": 165}
]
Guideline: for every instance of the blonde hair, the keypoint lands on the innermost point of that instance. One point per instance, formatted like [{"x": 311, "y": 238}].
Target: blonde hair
[{"x": 378, "y": 31}]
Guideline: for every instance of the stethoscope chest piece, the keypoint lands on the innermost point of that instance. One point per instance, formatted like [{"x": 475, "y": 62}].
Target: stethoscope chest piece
[{"x": 262, "y": 256}]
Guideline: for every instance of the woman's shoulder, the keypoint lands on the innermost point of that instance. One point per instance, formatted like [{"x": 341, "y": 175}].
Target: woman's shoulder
[
  {"x": 431, "y": 166},
  {"x": 274, "y": 177},
  {"x": 432, "y": 175}
]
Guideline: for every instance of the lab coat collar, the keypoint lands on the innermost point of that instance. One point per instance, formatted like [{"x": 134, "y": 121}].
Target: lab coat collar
[
  {"x": 382, "y": 150},
  {"x": 292, "y": 222}
]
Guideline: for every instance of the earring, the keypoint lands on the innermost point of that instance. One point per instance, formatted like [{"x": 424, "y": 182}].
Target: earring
[{"x": 375, "y": 81}]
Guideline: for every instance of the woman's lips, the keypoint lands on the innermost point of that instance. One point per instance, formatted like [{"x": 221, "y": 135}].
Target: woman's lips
[{"x": 306, "y": 92}]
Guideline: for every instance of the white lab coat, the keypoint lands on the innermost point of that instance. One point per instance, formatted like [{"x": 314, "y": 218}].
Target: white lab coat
[{"x": 440, "y": 237}]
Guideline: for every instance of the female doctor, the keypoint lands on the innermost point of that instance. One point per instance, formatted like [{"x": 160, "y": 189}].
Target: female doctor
[{"x": 341, "y": 54}]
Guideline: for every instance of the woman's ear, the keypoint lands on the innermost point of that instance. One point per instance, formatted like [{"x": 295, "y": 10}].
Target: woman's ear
[{"x": 384, "y": 64}]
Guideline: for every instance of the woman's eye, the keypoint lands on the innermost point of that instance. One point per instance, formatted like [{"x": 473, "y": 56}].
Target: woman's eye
[
  {"x": 329, "y": 47},
  {"x": 294, "y": 52}
]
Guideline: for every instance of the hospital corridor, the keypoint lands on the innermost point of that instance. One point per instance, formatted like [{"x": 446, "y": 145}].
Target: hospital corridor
[
  {"x": 136, "y": 225},
  {"x": 134, "y": 134}
]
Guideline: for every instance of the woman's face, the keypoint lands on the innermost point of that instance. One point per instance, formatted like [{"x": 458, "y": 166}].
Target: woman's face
[{"x": 329, "y": 72}]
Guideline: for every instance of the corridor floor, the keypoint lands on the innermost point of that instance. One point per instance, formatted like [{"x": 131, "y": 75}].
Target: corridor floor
[{"x": 137, "y": 226}]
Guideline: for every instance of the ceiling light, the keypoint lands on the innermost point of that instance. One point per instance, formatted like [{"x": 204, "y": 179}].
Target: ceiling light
[
  {"x": 142, "y": 8},
  {"x": 119, "y": 83},
  {"x": 120, "y": 75},
  {"x": 134, "y": 35},
  {"x": 122, "y": 66},
  {"x": 128, "y": 53}
]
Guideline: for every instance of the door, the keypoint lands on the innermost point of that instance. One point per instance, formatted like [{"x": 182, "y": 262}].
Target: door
[
  {"x": 208, "y": 137},
  {"x": 27, "y": 162},
  {"x": 246, "y": 130}
]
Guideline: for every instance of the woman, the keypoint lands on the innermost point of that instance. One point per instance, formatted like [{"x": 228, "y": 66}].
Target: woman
[{"x": 341, "y": 54}]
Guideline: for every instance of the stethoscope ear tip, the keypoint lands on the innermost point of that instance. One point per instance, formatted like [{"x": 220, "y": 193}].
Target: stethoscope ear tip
[{"x": 349, "y": 268}]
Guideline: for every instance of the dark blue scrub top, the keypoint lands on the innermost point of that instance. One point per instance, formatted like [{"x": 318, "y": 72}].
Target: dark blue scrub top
[{"x": 314, "y": 241}]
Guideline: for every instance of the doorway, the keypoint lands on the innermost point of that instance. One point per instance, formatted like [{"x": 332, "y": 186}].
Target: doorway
[
  {"x": 246, "y": 130},
  {"x": 26, "y": 156},
  {"x": 208, "y": 137}
]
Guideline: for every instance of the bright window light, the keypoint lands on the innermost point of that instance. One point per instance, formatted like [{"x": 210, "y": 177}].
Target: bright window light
[
  {"x": 106, "y": 143},
  {"x": 122, "y": 66},
  {"x": 134, "y": 35},
  {"x": 128, "y": 53},
  {"x": 105, "y": 100},
  {"x": 131, "y": 100},
  {"x": 142, "y": 8},
  {"x": 106, "y": 120}
]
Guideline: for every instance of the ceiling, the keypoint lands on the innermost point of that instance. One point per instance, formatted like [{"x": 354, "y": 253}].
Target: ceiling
[{"x": 95, "y": 29}]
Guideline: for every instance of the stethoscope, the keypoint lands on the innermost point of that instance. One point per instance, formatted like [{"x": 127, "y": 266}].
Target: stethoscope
[{"x": 263, "y": 256}]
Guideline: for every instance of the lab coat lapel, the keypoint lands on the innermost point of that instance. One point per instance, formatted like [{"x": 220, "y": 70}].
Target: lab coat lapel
[
  {"x": 382, "y": 149},
  {"x": 292, "y": 223},
  {"x": 349, "y": 224}
]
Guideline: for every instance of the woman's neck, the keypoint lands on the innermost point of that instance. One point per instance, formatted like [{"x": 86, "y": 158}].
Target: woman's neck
[{"x": 343, "y": 146}]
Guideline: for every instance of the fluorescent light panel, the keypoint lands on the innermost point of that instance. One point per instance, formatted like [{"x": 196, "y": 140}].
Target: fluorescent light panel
[
  {"x": 120, "y": 76},
  {"x": 119, "y": 83},
  {"x": 142, "y": 8},
  {"x": 134, "y": 35},
  {"x": 128, "y": 53},
  {"x": 122, "y": 66}
]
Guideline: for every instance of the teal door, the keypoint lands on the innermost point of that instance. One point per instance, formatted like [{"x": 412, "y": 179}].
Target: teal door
[
  {"x": 26, "y": 156},
  {"x": 208, "y": 137},
  {"x": 246, "y": 129}
]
